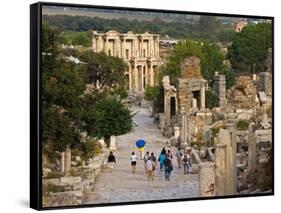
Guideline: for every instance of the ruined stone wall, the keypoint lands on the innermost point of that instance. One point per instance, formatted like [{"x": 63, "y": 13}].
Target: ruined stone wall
[
  {"x": 243, "y": 94},
  {"x": 190, "y": 68}
]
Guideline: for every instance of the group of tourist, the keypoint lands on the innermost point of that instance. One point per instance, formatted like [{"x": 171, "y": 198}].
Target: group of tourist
[{"x": 165, "y": 160}]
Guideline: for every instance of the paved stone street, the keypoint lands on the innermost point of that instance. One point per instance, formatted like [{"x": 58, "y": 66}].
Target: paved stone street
[{"x": 120, "y": 185}]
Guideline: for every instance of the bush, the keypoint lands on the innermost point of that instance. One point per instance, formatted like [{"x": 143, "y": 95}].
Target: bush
[
  {"x": 52, "y": 188},
  {"x": 90, "y": 148},
  {"x": 212, "y": 99},
  {"x": 242, "y": 125},
  {"x": 54, "y": 174},
  {"x": 151, "y": 93}
]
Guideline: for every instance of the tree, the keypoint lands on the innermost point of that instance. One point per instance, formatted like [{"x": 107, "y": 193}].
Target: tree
[
  {"x": 105, "y": 116},
  {"x": 103, "y": 70},
  {"x": 211, "y": 59},
  {"x": 249, "y": 48},
  {"x": 209, "y": 27},
  {"x": 62, "y": 84},
  {"x": 212, "y": 99},
  {"x": 151, "y": 93}
]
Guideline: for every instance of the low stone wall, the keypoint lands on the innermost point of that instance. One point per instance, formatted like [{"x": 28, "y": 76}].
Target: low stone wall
[{"x": 71, "y": 190}]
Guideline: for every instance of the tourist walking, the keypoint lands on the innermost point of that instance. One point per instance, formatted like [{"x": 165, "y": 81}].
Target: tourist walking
[
  {"x": 134, "y": 162},
  {"x": 161, "y": 159},
  {"x": 168, "y": 168},
  {"x": 111, "y": 160},
  {"x": 153, "y": 158},
  {"x": 179, "y": 157},
  {"x": 150, "y": 167},
  {"x": 169, "y": 155},
  {"x": 186, "y": 163},
  {"x": 145, "y": 159}
]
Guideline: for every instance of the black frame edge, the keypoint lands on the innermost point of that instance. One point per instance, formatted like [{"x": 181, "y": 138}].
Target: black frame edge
[{"x": 35, "y": 159}]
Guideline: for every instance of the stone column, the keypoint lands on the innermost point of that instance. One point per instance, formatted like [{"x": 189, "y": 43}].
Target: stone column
[
  {"x": 136, "y": 77},
  {"x": 123, "y": 54},
  {"x": 67, "y": 165},
  {"x": 252, "y": 148},
  {"x": 112, "y": 146},
  {"x": 141, "y": 51},
  {"x": 62, "y": 162},
  {"x": 151, "y": 75},
  {"x": 232, "y": 130},
  {"x": 202, "y": 95},
  {"x": 142, "y": 82},
  {"x": 130, "y": 77},
  {"x": 167, "y": 107},
  {"x": 106, "y": 45},
  {"x": 220, "y": 169},
  {"x": 183, "y": 131},
  {"x": 176, "y": 131},
  {"x": 207, "y": 179}
]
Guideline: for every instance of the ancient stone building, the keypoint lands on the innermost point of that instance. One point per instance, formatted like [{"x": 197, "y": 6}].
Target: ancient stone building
[
  {"x": 139, "y": 51},
  {"x": 185, "y": 101}
]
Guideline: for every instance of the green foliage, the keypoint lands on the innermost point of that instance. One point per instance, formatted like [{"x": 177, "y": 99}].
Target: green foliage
[
  {"x": 212, "y": 99},
  {"x": 250, "y": 46},
  {"x": 53, "y": 175},
  {"x": 58, "y": 128},
  {"x": 104, "y": 70},
  {"x": 76, "y": 38},
  {"x": 209, "y": 27},
  {"x": 226, "y": 35},
  {"x": 116, "y": 119},
  {"x": 103, "y": 115},
  {"x": 211, "y": 59},
  {"x": 242, "y": 125},
  {"x": 90, "y": 148},
  {"x": 229, "y": 77},
  {"x": 151, "y": 93}
]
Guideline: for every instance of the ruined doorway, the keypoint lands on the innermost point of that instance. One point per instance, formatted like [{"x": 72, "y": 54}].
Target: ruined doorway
[
  {"x": 173, "y": 106},
  {"x": 196, "y": 95}
]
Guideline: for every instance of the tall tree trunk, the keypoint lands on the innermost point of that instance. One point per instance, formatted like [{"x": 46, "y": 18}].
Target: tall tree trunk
[{"x": 107, "y": 141}]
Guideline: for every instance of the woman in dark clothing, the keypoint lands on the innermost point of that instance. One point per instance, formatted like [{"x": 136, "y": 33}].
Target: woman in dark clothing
[{"x": 111, "y": 160}]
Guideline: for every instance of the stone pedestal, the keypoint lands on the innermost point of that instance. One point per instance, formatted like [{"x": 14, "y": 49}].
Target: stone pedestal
[
  {"x": 207, "y": 179},
  {"x": 162, "y": 120},
  {"x": 112, "y": 146},
  {"x": 176, "y": 132},
  {"x": 224, "y": 165},
  {"x": 220, "y": 169},
  {"x": 67, "y": 165}
]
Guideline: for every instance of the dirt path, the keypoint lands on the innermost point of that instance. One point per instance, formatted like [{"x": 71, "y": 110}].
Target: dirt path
[{"x": 120, "y": 185}]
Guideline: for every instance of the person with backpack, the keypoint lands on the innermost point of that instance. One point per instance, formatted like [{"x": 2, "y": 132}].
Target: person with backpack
[
  {"x": 134, "y": 162},
  {"x": 168, "y": 167},
  {"x": 161, "y": 159},
  {"x": 150, "y": 169},
  {"x": 186, "y": 163},
  {"x": 145, "y": 159},
  {"x": 153, "y": 158}
]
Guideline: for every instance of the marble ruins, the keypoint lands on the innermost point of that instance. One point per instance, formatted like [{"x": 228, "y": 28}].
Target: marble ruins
[
  {"x": 229, "y": 156},
  {"x": 139, "y": 51}
]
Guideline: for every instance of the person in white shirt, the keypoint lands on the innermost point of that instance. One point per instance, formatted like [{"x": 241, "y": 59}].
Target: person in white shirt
[{"x": 134, "y": 162}]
